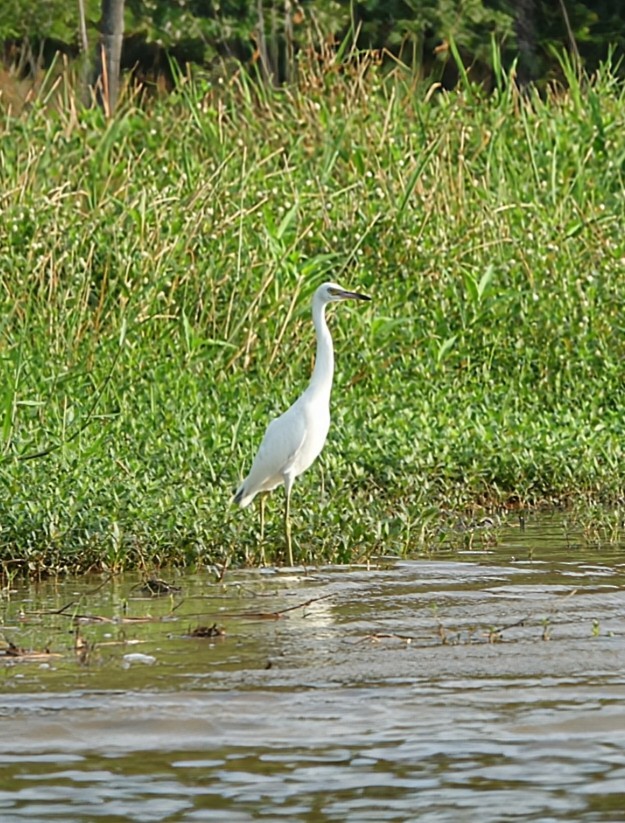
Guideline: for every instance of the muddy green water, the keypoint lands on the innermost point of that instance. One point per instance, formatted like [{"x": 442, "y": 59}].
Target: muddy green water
[{"x": 489, "y": 686}]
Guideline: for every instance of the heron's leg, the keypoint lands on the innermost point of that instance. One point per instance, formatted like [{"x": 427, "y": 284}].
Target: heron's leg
[
  {"x": 263, "y": 497},
  {"x": 262, "y": 515},
  {"x": 288, "y": 485}
]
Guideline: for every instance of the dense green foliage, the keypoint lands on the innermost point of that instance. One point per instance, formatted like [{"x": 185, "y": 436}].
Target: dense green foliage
[{"x": 155, "y": 276}]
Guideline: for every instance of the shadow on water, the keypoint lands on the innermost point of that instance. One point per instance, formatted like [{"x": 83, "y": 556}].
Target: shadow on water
[{"x": 489, "y": 688}]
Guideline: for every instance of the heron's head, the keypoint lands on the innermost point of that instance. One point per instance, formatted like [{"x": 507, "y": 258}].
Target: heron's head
[{"x": 333, "y": 293}]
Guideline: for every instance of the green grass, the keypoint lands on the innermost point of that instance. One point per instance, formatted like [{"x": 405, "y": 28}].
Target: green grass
[{"x": 155, "y": 276}]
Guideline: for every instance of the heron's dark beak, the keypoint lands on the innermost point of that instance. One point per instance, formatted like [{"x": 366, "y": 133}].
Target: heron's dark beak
[{"x": 350, "y": 295}]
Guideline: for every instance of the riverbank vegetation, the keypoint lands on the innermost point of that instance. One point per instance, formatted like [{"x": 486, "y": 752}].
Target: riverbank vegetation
[{"x": 156, "y": 270}]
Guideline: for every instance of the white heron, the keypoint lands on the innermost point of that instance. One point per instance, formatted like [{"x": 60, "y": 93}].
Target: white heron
[{"x": 293, "y": 441}]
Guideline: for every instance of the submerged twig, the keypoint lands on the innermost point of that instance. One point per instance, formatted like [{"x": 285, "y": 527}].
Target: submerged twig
[
  {"x": 377, "y": 636},
  {"x": 15, "y": 652}
]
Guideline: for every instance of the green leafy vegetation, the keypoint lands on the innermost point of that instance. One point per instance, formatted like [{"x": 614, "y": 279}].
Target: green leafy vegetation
[{"x": 155, "y": 280}]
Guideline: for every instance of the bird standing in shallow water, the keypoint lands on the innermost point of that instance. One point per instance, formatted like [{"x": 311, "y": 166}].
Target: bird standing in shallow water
[{"x": 294, "y": 440}]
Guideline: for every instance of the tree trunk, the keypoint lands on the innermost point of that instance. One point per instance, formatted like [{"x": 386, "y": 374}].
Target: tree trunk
[
  {"x": 263, "y": 52},
  {"x": 84, "y": 40},
  {"x": 106, "y": 80},
  {"x": 289, "y": 59}
]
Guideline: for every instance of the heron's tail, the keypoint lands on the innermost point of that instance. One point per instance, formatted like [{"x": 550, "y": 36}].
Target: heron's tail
[{"x": 241, "y": 496}]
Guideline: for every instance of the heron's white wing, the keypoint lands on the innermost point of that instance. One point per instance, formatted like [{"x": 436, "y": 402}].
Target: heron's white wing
[{"x": 282, "y": 441}]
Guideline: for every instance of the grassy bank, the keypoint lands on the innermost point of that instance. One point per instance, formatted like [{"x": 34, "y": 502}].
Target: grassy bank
[{"x": 155, "y": 278}]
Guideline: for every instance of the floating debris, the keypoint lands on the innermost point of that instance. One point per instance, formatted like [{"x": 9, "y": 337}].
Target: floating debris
[
  {"x": 10, "y": 651},
  {"x": 208, "y": 631},
  {"x": 155, "y": 587},
  {"x": 82, "y": 647},
  {"x": 137, "y": 657}
]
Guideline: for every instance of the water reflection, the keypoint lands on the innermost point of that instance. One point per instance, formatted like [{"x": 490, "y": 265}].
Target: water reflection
[{"x": 433, "y": 690}]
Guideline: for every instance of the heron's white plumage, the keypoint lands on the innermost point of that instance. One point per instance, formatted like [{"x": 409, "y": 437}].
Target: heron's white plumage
[
  {"x": 291, "y": 444},
  {"x": 293, "y": 441}
]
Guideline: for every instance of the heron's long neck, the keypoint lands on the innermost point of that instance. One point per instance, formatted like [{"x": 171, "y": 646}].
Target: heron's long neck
[{"x": 323, "y": 372}]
